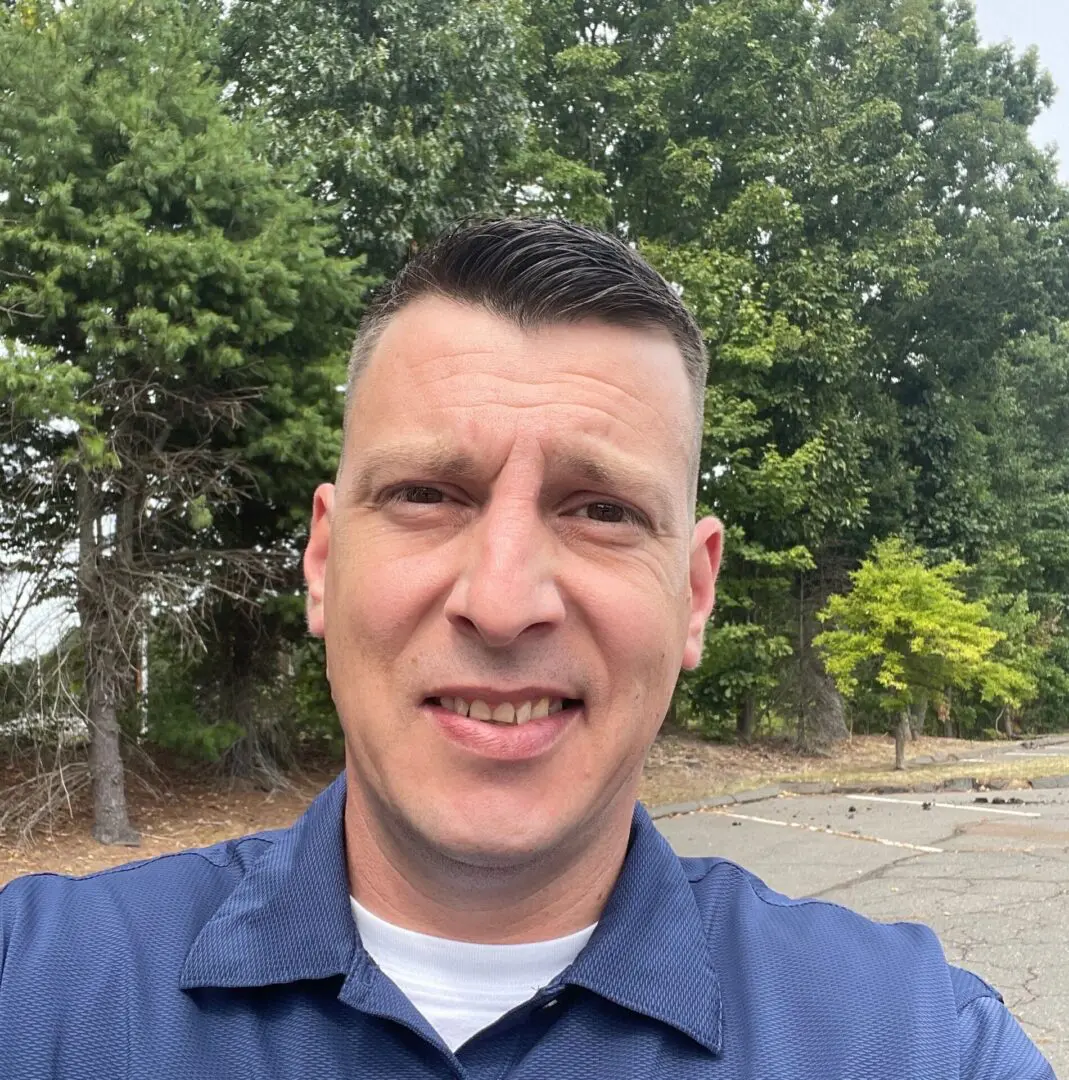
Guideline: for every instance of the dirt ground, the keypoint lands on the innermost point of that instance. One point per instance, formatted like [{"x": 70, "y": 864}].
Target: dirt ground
[
  {"x": 186, "y": 810},
  {"x": 682, "y": 768}
]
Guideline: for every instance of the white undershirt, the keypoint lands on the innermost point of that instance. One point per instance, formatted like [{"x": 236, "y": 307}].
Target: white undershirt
[{"x": 458, "y": 986}]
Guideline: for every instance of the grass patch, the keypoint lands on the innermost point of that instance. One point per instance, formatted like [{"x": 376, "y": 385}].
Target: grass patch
[{"x": 684, "y": 768}]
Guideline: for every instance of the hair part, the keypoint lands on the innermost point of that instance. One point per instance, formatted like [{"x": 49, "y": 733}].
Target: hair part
[{"x": 538, "y": 272}]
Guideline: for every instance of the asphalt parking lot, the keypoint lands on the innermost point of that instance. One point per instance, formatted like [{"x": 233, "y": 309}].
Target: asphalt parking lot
[{"x": 992, "y": 879}]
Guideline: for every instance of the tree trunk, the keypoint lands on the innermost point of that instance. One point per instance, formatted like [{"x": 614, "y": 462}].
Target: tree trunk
[
  {"x": 821, "y": 709},
  {"x": 945, "y": 717},
  {"x": 671, "y": 717},
  {"x": 103, "y": 652},
  {"x": 746, "y": 720},
  {"x": 825, "y": 709},
  {"x": 802, "y": 737},
  {"x": 947, "y": 722},
  {"x": 916, "y": 719},
  {"x": 111, "y": 825},
  {"x": 901, "y": 733},
  {"x": 249, "y": 655}
]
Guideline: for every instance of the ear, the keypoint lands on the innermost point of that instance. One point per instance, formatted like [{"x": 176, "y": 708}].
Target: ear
[
  {"x": 705, "y": 550},
  {"x": 315, "y": 557}
]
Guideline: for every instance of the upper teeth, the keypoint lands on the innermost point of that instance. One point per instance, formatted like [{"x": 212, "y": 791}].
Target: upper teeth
[{"x": 505, "y": 713}]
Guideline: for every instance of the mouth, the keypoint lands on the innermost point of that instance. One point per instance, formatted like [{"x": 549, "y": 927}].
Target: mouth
[{"x": 505, "y": 713}]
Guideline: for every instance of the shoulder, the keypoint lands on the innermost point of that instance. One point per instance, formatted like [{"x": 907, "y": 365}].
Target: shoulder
[
  {"x": 844, "y": 972},
  {"x": 993, "y": 1045},
  {"x": 731, "y": 891},
  {"x": 776, "y": 944},
  {"x": 151, "y": 907}
]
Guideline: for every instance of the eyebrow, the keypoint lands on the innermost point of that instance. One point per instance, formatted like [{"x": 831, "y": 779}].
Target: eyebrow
[
  {"x": 417, "y": 461},
  {"x": 621, "y": 476},
  {"x": 437, "y": 462}
]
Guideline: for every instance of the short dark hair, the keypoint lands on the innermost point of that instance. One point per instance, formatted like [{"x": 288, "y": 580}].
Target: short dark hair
[{"x": 537, "y": 272}]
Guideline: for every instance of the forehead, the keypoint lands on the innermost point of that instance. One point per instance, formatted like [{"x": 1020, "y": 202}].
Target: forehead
[{"x": 475, "y": 381}]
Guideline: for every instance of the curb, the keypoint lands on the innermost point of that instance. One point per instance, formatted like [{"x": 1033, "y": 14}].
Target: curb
[
  {"x": 773, "y": 791},
  {"x": 1051, "y": 782}
]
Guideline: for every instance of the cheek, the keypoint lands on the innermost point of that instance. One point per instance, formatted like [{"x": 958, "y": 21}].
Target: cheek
[
  {"x": 374, "y": 600},
  {"x": 642, "y": 632}
]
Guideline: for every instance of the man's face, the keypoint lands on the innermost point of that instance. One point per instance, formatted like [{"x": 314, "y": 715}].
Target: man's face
[{"x": 510, "y": 533}]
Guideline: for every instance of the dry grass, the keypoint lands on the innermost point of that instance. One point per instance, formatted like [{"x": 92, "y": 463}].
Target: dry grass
[
  {"x": 190, "y": 812},
  {"x": 683, "y": 768}
]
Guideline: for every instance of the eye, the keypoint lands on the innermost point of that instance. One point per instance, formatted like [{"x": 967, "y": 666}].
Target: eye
[
  {"x": 420, "y": 494},
  {"x": 611, "y": 513}
]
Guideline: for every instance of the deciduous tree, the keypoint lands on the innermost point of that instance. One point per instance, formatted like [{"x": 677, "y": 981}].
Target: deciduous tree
[{"x": 905, "y": 631}]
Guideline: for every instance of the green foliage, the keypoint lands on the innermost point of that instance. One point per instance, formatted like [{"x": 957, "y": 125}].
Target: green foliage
[
  {"x": 178, "y": 325},
  {"x": 404, "y": 114},
  {"x": 34, "y": 389},
  {"x": 191, "y": 712},
  {"x": 846, "y": 194},
  {"x": 314, "y": 717},
  {"x": 741, "y": 661},
  {"x": 906, "y": 630},
  {"x": 176, "y": 718},
  {"x": 151, "y": 250}
]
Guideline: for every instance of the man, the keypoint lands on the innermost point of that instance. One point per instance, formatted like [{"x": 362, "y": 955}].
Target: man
[{"x": 508, "y": 579}]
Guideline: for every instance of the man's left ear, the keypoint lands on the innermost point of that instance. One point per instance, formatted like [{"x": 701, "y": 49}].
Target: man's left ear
[{"x": 705, "y": 550}]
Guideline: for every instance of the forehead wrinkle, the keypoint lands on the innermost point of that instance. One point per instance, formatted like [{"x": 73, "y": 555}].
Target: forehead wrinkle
[
  {"x": 623, "y": 404},
  {"x": 529, "y": 393}
]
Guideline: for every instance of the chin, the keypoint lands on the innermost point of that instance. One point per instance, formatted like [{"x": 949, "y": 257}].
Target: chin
[
  {"x": 493, "y": 842},
  {"x": 484, "y": 858}
]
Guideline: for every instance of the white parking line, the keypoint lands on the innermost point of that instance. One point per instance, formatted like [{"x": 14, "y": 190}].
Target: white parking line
[
  {"x": 942, "y": 805},
  {"x": 829, "y": 832}
]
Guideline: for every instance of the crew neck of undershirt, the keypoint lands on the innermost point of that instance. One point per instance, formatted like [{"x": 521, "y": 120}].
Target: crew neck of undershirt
[
  {"x": 530, "y": 964},
  {"x": 463, "y": 987}
]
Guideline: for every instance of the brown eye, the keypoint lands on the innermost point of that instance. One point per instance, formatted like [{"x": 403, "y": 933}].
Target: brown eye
[
  {"x": 602, "y": 511},
  {"x": 610, "y": 513},
  {"x": 419, "y": 494}
]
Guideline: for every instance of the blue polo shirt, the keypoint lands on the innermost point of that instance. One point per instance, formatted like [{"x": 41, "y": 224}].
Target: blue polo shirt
[{"x": 242, "y": 960}]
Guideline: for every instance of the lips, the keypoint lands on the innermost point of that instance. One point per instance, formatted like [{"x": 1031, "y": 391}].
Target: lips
[{"x": 500, "y": 729}]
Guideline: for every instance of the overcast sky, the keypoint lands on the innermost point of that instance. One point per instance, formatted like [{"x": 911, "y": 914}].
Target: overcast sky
[{"x": 1044, "y": 23}]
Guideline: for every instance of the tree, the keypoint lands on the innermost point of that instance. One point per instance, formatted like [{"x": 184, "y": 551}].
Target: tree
[
  {"x": 949, "y": 180},
  {"x": 406, "y": 114},
  {"x": 164, "y": 271},
  {"x": 906, "y": 630}
]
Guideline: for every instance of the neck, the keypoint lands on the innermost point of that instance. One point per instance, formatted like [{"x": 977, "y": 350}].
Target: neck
[{"x": 423, "y": 889}]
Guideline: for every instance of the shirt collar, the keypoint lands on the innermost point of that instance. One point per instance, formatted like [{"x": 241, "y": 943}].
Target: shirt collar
[
  {"x": 650, "y": 952},
  {"x": 290, "y": 919}
]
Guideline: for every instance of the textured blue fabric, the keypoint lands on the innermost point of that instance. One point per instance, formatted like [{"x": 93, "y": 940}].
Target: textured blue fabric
[{"x": 242, "y": 960}]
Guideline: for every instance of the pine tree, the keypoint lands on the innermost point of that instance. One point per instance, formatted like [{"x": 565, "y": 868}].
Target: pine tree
[{"x": 158, "y": 266}]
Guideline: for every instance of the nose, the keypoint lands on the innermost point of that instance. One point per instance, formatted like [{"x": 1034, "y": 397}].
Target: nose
[{"x": 507, "y": 586}]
